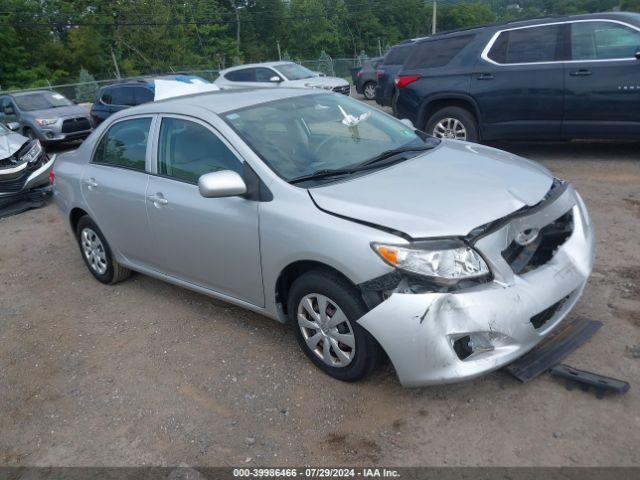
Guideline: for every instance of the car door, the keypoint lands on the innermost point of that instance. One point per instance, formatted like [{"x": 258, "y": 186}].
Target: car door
[
  {"x": 602, "y": 81},
  {"x": 209, "y": 242},
  {"x": 114, "y": 184},
  {"x": 122, "y": 96},
  {"x": 519, "y": 84}
]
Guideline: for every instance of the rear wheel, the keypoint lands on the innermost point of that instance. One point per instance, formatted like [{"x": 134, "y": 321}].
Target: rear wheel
[
  {"x": 453, "y": 123},
  {"x": 369, "y": 90},
  {"x": 97, "y": 255},
  {"x": 323, "y": 310}
]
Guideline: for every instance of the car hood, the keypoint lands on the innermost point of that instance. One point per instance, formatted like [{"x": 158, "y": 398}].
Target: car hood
[
  {"x": 317, "y": 81},
  {"x": 70, "y": 111},
  {"x": 447, "y": 191},
  {"x": 10, "y": 143}
]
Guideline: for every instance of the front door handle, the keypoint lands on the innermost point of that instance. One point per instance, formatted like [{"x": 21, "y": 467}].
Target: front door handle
[
  {"x": 583, "y": 72},
  {"x": 485, "y": 76},
  {"x": 91, "y": 183},
  {"x": 158, "y": 199}
]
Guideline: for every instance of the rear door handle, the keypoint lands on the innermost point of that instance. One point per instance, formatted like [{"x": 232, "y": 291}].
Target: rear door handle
[
  {"x": 485, "y": 76},
  {"x": 91, "y": 183},
  {"x": 158, "y": 199},
  {"x": 583, "y": 72}
]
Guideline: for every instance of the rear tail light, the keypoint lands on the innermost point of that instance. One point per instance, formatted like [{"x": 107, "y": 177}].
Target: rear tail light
[
  {"x": 379, "y": 73},
  {"x": 359, "y": 74},
  {"x": 404, "y": 80},
  {"x": 52, "y": 177}
]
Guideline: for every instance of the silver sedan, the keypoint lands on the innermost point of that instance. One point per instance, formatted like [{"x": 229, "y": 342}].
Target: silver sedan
[{"x": 364, "y": 234}]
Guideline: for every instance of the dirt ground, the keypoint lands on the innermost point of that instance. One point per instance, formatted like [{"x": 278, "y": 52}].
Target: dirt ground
[{"x": 147, "y": 373}]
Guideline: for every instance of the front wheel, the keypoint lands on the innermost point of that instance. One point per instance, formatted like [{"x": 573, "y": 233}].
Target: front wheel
[
  {"x": 453, "y": 123},
  {"x": 323, "y": 310}
]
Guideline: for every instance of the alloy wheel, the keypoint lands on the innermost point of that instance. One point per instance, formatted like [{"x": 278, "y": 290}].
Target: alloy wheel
[
  {"x": 370, "y": 91},
  {"x": 450, "y": 128},
  {"x": 93, "y": 250},
  {"x": 326, "y": 330}
]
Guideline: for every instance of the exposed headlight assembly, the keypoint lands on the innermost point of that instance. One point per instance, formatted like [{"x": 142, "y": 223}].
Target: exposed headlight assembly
[
  {"x": 46, "y": 121},
  {"x": 33, "y": 153},
  {"x": 445, "y": 262}
]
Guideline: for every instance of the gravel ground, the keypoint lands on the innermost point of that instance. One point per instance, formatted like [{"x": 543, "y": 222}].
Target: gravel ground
[{"x": 147, "y": 373}]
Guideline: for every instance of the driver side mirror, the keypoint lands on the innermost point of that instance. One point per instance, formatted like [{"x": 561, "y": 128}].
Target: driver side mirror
[
  {"x": 224, "y": 183},
  {"x": 13, "y": 126},
  {"x": 275, "y": 79}
]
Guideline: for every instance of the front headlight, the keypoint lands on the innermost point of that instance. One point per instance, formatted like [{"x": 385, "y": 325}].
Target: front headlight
[
  {"x": 445, "y": 261},
  {"x": 46, "y": 121},
  {"x": 33, "y": 153}
]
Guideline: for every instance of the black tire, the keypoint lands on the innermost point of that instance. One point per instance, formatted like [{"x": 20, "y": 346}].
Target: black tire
[
  {"x": 394, "y": 103},
  {"x": 462, "y": 115},
  {"x": 368, "y": 92},
  {"x": 114, "y": 272},
  {"x": 367, "y": 351}
]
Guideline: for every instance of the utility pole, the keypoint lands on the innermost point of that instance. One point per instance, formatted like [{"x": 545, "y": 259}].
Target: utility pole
[
  {"x": 237, "y": 31},
  {"x": 279, "y": 53},
  {"x": 434, "y": 17},
  {"x": 379, "y": 47}
]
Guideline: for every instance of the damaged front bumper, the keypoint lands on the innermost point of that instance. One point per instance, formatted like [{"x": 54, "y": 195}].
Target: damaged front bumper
[{"x": 435, "y": 338}]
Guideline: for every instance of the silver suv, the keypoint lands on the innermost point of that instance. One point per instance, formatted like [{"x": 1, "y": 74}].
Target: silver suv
[{"x": 314, "y": 209}]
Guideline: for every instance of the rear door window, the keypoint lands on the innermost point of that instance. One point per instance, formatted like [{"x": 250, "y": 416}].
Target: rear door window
[
  {"x": 527, "y": 45},
  {"x": 603, "y": 40},
  {"x": 143, "y": 95},
  {"x": 106, "y": 96},
  {"x": 122, "y": 96},
  {"x": 397, "y": 55},
  {"x": 436, "y": 53},
  {"x": 243, "y": 75},
  {"x": 124, "y": 145}
]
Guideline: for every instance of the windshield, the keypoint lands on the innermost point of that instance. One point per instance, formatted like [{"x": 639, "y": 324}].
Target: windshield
[
  {"x": 41, "y": 101},
  {"x": 293, "y": 71},
  {"x": 302, "y": 135}
]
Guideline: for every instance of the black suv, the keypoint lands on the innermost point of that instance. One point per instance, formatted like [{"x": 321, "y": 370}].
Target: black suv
[
  {"x": 557, "y": 78},
  {"x": 118, "y": 96}
]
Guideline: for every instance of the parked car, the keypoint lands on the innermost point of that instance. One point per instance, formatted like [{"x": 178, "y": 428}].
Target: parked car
[
  {"x": 366, "y": 80},
  {"x": 550, "y": 79},
  {"x": 128, "y": 93},
  {"x": 391, "y": 64},
  {"x": 46, "y": 115},
  {"x": 24, "y": 167},
  {"x": 318, "y": 210},
  {"x": 279, "y": 74},
  {"x": 121, "y": 95}
]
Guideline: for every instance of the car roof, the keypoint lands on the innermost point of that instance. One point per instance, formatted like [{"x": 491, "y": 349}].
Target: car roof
[
  {"x": 253, "y": 65},
  {"x": 20, "y": 94},
  {"x": 222, "y": 101},
  {"x": 620, "y": 16}
]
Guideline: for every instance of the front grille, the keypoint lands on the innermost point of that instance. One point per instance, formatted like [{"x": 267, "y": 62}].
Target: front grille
[
  {"x": 15, "y": 184},
  {"x": 345, "y": 90},
  {"x": 523, "y": 258},
  {"x": 78, "y": 124}
]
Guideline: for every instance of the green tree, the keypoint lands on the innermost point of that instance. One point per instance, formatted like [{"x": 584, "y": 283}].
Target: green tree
[{"x": 86, "y": 91}]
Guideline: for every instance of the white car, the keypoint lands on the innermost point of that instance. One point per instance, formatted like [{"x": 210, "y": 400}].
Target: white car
[{"x": 279, "y": 74}]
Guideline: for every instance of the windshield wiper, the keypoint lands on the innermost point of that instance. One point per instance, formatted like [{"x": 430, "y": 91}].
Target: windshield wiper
[
  {"x": 395, "y": 151},
  {"x": 324, "y": 173}
]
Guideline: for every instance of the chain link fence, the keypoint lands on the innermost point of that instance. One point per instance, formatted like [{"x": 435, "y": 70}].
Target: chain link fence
[{"x": 85, "y": 92}]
